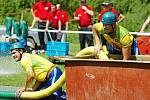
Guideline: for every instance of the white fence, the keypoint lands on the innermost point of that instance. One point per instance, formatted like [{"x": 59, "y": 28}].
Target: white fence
[{"x": 79, "y": 32}]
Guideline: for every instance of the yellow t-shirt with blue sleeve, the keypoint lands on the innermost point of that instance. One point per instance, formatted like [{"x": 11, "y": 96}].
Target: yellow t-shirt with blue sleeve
[
  {"x": 40, "y": 65},
  {"x": 122, "y": 38}
]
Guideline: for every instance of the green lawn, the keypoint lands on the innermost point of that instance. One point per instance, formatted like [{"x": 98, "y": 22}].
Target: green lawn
[{"x": 16, "y": 80}]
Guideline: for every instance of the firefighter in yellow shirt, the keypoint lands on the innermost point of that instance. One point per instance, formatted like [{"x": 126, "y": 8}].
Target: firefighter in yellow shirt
[
  {"x": 37, "y": 68},
  {"x": 117, "y": 37}
]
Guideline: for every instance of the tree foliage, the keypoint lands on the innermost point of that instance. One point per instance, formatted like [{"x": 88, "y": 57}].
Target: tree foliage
[{"x": 135, "y": 11}]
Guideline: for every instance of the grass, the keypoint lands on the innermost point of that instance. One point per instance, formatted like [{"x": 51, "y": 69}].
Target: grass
[{"x": 16, "y": 80}]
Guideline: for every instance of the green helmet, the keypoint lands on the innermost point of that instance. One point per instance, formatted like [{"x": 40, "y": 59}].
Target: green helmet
[
  {"x": 17, "y": 45},
  {"x": 109, "y": 18}
]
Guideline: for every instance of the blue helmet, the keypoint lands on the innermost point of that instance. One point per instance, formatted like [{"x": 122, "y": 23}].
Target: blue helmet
[
  {"x": 109, "y": 18},
  {"x": 17, "y": 45}
]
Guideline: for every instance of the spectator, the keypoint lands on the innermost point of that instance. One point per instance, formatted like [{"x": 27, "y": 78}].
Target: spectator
[
  {"x": 147, "y": 21},
  {"x": 83, "y": 15},
  {"x": 108, "y": 7},
  {"x": 107, "y": 32},
  {"x": 39, "y": 69},
  {"x": 42, "y": 7},
  {"x": 52, "y": 20},
  {"x": 35, "y": 17},
  {"x": 63, "y": 22}
]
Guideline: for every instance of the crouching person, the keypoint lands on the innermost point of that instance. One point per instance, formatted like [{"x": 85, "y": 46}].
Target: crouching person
[
  {"x": 39, "y": 69},
  {"x": 117, "y": 38}
]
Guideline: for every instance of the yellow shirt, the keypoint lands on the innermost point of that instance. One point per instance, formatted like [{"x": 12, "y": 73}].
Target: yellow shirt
[
  {"x": 122, "y": 39},
  {"x": 40, "y": 65}
]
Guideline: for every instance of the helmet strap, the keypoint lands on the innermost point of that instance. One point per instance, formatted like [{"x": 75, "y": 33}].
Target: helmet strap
[
  {"x": 113, "y": 28},
  {"x": 21, "y": 52}
]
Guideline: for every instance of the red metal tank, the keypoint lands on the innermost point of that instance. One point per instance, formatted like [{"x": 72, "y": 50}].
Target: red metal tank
[{"x": 107, "y": 80}]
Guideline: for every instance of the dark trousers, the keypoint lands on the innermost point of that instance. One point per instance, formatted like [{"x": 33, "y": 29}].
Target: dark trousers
[
  {"x": 41, "y": 25},
  {"x": 85, "y": 38},
  {"x": 56, "y": 36},
  {"x": 52, "y": 35}
]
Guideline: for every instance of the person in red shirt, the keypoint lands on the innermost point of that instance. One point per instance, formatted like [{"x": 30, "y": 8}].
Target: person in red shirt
[
  {"x": 109, "y": 7},
  {"x": 35, "y": 19},
  {"x": 83, "y": 15},
  {"x": 42, "y": 7},
  {"x": 63, "y": 20},
  {"x": 52, "y": 21}
]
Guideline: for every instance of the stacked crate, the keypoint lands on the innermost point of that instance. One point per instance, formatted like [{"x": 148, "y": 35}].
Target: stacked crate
[
  {"x": 57, "y": 48},
  {"x": 5, "y": 48}
]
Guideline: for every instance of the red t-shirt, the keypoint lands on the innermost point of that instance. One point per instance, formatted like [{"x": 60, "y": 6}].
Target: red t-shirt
[
  {"x": 104, "y": 11},
  {"x": 62, "y": 16},
  {"x": 42, "y": 9},
  {"x": 53, "y": 18},
  {"x": 84, "y": 18}
]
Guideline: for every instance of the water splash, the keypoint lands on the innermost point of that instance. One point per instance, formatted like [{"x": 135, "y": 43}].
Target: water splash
[{"x": 9, "y": 66}]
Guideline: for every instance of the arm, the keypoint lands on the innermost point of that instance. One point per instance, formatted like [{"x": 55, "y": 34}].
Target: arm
[
  {"x": 145, "y": 24},
  {"x": 99, "y": 17},
  {"x": 36, "y": 85},
  {"x": 98, "y": 42},
  {"x": 90, "y": 12},
  {"x": 47, "y": 24},
  {"x": 33, "y": 13},
  {"x": 126, "y": 43},
  {"x": 59, "y": 25},
  {"x": 35, "y": 18},
  {"x": 30, "y": 77},
  {"x": 33, "y": 23},
  {"x": 67, "y": 22},
  {"x": 66, "y": 25},
  {"x": 96, "y": 37},
  {"x": 126, "y": 53},
  {"x": 76, "y": 17}
]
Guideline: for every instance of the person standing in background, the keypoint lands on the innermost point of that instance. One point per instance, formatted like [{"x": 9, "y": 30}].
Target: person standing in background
[
  {"x": 63, "y": 22},
  {"x": 83, "y": 15},
  {"x": 52, "y": 20},
  {"x": 35, "y": 17},
  {"x": 108, "y": 7},
  {"x": 42, "y": 7}
]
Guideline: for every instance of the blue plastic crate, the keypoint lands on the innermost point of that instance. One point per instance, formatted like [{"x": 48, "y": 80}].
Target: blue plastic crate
[
  {"x": 56, "y": 53},
  {"x": 5, "y": 46},
  {"x": 58, "y": 46}
]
